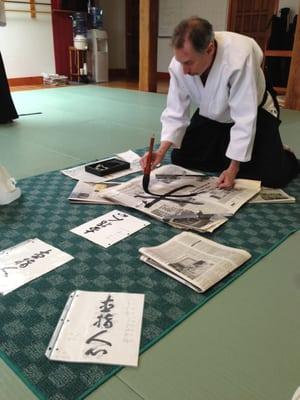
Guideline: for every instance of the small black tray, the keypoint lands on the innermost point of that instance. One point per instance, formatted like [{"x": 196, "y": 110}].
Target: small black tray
[{"x": 106, "y": 167}]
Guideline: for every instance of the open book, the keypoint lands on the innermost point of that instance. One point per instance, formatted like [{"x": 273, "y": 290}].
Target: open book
[
  {"x": 201, "y": 207},
  {"x": 193, "y": 260}
]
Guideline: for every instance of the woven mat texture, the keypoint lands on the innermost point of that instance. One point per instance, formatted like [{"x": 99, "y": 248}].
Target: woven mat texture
[{"x": 30, "y": 314}]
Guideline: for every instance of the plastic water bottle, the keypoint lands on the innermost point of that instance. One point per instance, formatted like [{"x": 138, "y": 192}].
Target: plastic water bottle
[{"x": 80, "y": 30}]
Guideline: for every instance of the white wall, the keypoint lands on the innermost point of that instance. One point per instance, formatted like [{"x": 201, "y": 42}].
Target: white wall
[
  {"x": 173, "y": 11},
  {"x": 27, "y": 44}
]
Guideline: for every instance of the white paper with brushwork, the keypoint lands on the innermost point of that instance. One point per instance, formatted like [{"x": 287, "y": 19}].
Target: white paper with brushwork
[
  {"x": 27, "y": 261},
  {"x": 110, "y": 228},
  {"x": 99, "y": 327}
]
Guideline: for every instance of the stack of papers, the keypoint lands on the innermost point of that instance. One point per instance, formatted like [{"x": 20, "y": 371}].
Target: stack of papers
[
  {"x": 193, "y": 260},
  {"x": 202, "y": 206},
  {"x": 90, "y": 193},
  {"x": 270, "y": 195}
]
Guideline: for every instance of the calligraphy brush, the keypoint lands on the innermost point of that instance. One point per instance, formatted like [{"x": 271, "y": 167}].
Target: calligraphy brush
[
  {"x": 146, "y": 177},
  {"x": 147, "y": 170}
]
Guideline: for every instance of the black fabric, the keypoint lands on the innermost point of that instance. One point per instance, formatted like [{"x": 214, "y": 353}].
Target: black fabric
[
  {"x": 270, "y": 89},
  {"x": 281, "y": 38},
  {"x": 7, "y": 108},
  {"x": 206, "y": 141}
]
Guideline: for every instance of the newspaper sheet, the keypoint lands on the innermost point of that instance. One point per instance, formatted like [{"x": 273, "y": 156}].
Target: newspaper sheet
[
  {"x": 193, "y": 260},
  {"x": 203, "y": 206},
  {"x": 270, "y": 195},
  {"x": 90, "y": 193}
]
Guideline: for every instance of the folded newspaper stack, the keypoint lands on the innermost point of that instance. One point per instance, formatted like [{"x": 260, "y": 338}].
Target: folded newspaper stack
[
  {"x": 201, "y": 206},
  {"x": 193, "y": 260},
  {"x": 270, "y": 195}
]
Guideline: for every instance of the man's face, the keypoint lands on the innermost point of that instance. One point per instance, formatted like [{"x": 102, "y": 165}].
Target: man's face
[{"x": 194, "y": 63}]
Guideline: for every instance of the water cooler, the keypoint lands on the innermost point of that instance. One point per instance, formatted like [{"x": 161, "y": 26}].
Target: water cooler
[
  {"x": 97, "y": 55},
  {"x": 80, "y": 30}
]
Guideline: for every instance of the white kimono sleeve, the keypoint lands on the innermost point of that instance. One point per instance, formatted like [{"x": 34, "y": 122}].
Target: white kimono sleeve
[
  {"x": 243, "y": 103},
  {"x": 176, "y": 116}
]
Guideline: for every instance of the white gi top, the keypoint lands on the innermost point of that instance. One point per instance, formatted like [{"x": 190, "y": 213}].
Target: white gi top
[{"x": 233, "y": 90}]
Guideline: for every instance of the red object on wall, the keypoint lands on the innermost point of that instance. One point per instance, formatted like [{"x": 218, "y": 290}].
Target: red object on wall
[{"x": 62, "y": 37}]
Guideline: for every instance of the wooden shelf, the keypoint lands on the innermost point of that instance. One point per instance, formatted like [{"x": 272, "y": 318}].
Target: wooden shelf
[
  {"x": 77, "y": 58},
  {"x": 57, "y": 10},
  {"x": 280, "y": 90},
  {"x": 278, "y": 53}
]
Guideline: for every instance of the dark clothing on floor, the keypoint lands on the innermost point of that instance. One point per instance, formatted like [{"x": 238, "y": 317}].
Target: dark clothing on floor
[
  {"x": 7, "y": 108},
  {"x": 205, "y": 143}
]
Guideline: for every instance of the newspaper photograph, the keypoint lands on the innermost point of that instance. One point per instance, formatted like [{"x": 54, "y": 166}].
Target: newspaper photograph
[
  {"x": 184, "y": 199},
  {"x": 90, "y": 193},
  {"x": 271, "y": 195},
  {"x": 193, "y": 260}
]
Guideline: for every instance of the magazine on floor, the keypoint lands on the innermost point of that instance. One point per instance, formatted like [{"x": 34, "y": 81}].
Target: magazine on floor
[
  {"x": 99, "y": 327},
  {"x": 203, "y": 207},
  {"x": 193, "y": 260},
  {"x": 271, "y": 195},
  {"x": 90, "y": 193}
]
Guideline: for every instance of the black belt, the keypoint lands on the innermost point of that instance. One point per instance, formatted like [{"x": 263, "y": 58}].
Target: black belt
[{"x": 264, "y": 99}]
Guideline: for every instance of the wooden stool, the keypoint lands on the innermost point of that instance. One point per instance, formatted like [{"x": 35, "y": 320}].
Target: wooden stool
[{"x": 77, "y": 58}]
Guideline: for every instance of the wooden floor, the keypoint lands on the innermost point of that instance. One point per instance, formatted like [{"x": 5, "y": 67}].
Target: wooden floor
[{"x": 162, "y": 85}]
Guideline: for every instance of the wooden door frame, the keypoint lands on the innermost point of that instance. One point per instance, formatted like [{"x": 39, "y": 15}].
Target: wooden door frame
[
  {"x": 148, "y": 45},
  {"x": 292, "y": 100}
]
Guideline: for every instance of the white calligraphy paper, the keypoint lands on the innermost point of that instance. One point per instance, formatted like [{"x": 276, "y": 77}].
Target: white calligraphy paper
[
  {"x": 110, "y": 228},
  {"x": 99, "y": 327},
  {"x": 26, "y": 261},
  {"x": 80, "y": 173}
]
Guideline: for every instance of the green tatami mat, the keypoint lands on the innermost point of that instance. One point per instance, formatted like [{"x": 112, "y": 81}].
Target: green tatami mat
[
  {"x": 238, "y": 346},
  {"x": 12, "y": 389},
  {"x": 29, "y": 314},
  {"x": 77, "y": 124},
  {"x": 242, "y": 345}
]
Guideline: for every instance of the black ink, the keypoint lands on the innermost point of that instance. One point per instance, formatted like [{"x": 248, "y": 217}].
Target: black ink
[
  {"x": 103, "y": 224},
  {"x": 94, "y": 338},
  {"x": 94, "y": 352}
]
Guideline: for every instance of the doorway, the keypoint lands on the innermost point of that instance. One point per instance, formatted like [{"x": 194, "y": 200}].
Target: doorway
[{"x": 132, "y": 39}]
